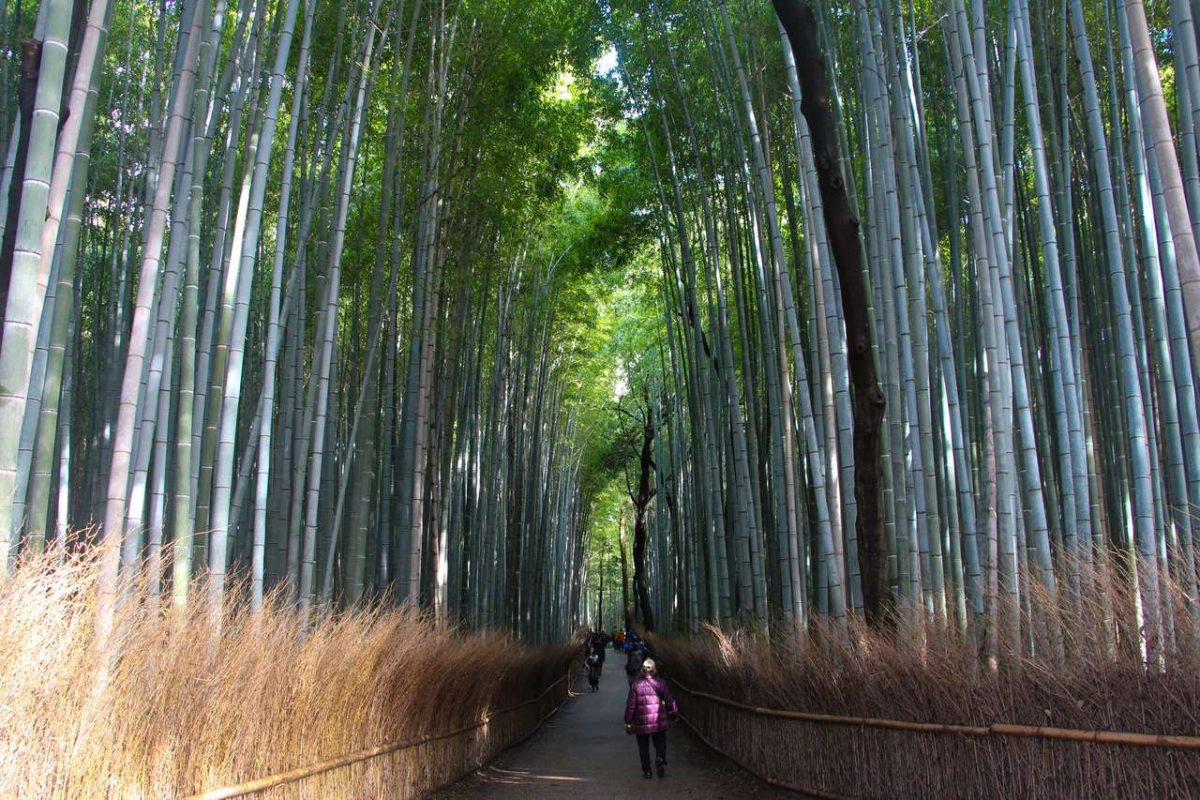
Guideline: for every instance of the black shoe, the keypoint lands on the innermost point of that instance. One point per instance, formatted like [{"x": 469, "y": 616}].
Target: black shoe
[
  {"x": 662, "y": 769},
  {"x": 647, "y": 774}
]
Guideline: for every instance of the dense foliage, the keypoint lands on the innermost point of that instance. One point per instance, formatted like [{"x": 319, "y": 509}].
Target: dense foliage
[{"x": 405, "y": 298}]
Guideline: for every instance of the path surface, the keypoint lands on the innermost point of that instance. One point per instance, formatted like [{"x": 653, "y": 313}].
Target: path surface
[{"x": 582, "y": 753}]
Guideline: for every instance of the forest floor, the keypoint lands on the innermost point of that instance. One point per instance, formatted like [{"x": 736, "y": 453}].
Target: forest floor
[{"x": 582, "y": 752}]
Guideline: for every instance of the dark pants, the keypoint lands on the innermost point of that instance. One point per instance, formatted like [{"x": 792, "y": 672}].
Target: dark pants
[{"x": 660, "y": 748}]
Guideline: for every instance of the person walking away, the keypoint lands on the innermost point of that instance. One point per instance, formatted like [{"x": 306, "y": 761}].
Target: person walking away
[
  {"x": 587, "y": 649},
  {"x": 634, "y": 658},
  {"x": 593, "y": 662},
  {"x": 598, "y": 647},
  {"x": 647, "y": 712}
]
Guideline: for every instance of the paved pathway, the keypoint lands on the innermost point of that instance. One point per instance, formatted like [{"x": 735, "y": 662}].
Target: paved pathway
[{"x": 582, "y": 753}]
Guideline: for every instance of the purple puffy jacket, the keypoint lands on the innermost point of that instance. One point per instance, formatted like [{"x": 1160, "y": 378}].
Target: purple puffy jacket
[{"x": 649, "y": 702}]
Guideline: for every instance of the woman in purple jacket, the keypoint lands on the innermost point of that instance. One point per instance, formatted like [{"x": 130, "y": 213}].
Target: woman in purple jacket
[{"x": 649, "y": 705}]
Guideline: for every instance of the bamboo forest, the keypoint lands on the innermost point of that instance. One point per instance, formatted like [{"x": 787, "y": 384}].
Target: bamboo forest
[{"x": 369, "y": 370}]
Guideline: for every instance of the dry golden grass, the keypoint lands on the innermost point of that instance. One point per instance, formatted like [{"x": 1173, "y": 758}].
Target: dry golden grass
[
  {"x": 1084, "y": 673},
  {"x": 184, "y": 708}
]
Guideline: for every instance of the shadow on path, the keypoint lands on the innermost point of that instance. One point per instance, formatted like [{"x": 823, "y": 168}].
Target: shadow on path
[{"x": 583, "y": 753}]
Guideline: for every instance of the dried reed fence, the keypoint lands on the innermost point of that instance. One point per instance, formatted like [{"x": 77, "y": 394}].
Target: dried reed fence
[
  {"x": 929, "y": 680},
  {"x": 184, "y": 709},
  {"x": 557, "y": 692}
]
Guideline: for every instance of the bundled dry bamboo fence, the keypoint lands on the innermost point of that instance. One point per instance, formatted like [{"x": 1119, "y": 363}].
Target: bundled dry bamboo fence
[
  {"x": 185, "y": 707},
  {"x": 914, "y": 712},
  {"x": 482, "y": 741},
  {"x": 837, "y": 756}
]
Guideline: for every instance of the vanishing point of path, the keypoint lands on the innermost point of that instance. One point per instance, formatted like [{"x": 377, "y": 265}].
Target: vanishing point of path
[{"x": 583, "y": 753}]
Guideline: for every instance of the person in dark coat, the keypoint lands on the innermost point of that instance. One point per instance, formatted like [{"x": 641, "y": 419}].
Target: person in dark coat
[
  {"x": 593, "y": 663},
  {"x": 647, "y": 711},
  {"x": 598, "y": 645}
]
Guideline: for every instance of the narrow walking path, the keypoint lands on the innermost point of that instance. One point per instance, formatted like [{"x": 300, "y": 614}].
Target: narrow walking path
[{"x": 583, "y": 753}]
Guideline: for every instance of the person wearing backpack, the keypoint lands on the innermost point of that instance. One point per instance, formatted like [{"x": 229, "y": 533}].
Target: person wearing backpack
[{"x": 648, "y": 709}]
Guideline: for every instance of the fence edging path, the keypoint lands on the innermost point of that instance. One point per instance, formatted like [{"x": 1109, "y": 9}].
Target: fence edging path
[
  {"x": 841, "y": 756},
  {"x": 1170, "y": 741},
  {"x": 340, "y": 762}
]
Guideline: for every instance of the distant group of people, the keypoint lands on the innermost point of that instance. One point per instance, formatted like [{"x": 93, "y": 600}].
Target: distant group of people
[{"x": 650, "y": 706}]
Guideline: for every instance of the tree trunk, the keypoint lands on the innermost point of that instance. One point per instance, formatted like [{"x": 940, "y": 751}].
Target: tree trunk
[
  {"x": 869, "y": 402},
  {"x": 641, "y": 498}
]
